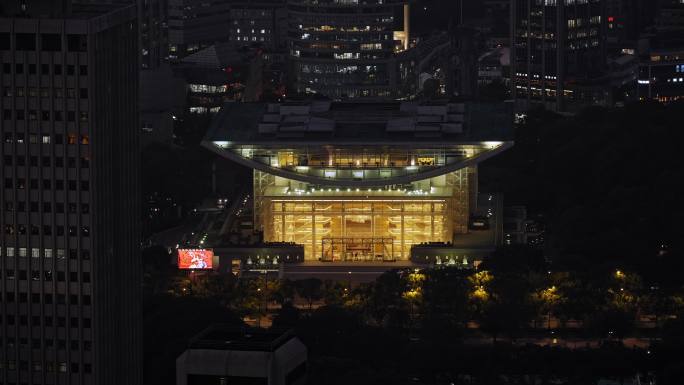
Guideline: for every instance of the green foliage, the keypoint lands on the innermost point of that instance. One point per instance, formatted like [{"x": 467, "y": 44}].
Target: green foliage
[
  {"x": 311, "y": 289},
  {"x": 445, "y": 297},
  {"x": 169, "y": 323},
  {"x": 606, "y": 181},
  {"x": 287, "y": 317}
]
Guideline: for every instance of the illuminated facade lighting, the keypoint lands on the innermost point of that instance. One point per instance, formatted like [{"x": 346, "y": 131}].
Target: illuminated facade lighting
[{"x": 345, "y": 196}]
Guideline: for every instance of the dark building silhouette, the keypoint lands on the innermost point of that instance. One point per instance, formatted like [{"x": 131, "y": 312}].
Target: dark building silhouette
[
  {"x": 626, "y": 19},
  {"x": 154, "y": 34},
  {"x": 69, "y": 239},
  {"x": 661, "y": 53},
  {"x": 196, "y": 24},
  {"x": 557, "y": 46}
]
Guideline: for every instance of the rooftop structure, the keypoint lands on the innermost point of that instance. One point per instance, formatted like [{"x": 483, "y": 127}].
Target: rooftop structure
[
  {"x": 225, "y": 355},
  {"x": 362, "y": 180}
]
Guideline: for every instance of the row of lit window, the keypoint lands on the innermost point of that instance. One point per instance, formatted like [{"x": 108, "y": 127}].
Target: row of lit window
[
  {"x": 72, "y": 231},
  {"x": 382, "y": 26},
  {"x": 247, "y": 38},
  {"x": 19, "y": 137},
  {"x": 253, "y": 31},
  {"x": 47, "y": 253},
  {"x": 355, "y": 92},
  {"x": 44, "y": 92},
  {"x": 60, "y": 367},
  {"x": 32, "y": 69},
  {"x": 338, "y": 68},
  {"x": 344, "y": 55}
]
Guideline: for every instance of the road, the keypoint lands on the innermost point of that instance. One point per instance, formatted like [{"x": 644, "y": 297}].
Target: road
[
  {"x": 196, "y": 227},
  {"x": 239, "y": 204}
]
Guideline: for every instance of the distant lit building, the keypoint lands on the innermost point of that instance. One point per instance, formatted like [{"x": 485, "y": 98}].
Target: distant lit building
[
  {"x": 259, "y": 22},
  {"x": 661, "y": 75},
  {"x": 196, "y": 24},
  {"x": 519, "y": 229},
  {"x": 626, "y": 19},
  {"x": 362, "y": 181},
  {"x": 557, "y": 50},
  {"x": 345, "y": 49},
  {"x": 661, "y": 53},
  {"x": 232, "y": 355},
  {"x": 221, "y": 73}
]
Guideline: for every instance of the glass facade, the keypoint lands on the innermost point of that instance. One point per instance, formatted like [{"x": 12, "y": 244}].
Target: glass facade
[
  {"x": 345, "y": 224},
  {"x": 343, "y": 49},
  {"x": 332, "y": 165},
  {"x": 361, "y": 181}
]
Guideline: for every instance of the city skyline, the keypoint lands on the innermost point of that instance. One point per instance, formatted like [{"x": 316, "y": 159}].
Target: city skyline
[{"x": 434, "y": 192}]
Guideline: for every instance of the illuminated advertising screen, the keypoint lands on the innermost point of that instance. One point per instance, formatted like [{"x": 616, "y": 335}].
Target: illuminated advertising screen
[{"x": 195, "y": 259}]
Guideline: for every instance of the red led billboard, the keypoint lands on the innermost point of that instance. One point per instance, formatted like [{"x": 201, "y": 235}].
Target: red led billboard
[{"x": 195, "y": 259}]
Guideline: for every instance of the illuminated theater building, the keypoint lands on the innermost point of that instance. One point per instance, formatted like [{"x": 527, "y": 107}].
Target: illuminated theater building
[{"x": 362, "y": 181}]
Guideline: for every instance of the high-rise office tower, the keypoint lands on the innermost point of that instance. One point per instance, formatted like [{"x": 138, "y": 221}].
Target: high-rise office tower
[
  {"x": 153, "y": 36},
  {"x": 556, "y": 45},
  {"x": 70, "y": 309},
  {"x": 345, "y": 48}
]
